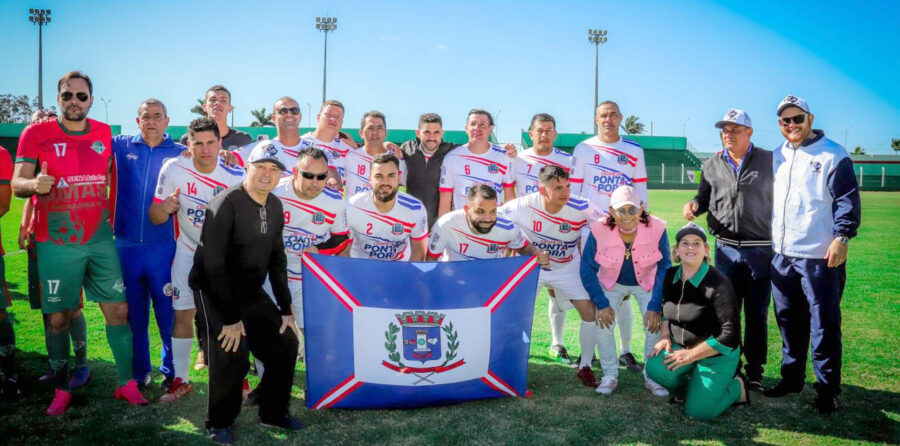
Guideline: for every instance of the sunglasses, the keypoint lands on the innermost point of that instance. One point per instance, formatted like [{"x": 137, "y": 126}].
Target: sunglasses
[
  {"x": 310, "y": 175},
  {"x": 67, "y": 96},
  {"x": 799, "y": 119},
  {"x": 630, "y": 210},
  {"x": 263, "y": 223},
  {"x": 286, "y": 110}
]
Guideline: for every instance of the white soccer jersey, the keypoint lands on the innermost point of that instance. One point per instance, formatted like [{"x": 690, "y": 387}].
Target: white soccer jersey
[
  {"x": 558, "y": 234},
  {"x": 336, "y": 149},
  {"x": 600, "y": 167},
  {"x": 463, "y": 169},
  {"x": 196, "y": 189},
  {"x": 356, "y": 171},
  {"x": 528, "y": 164},
  {"x": 452, "y": 239},
  {"x": 308, "y": 222},
  {"x": 385, "y": 236}
]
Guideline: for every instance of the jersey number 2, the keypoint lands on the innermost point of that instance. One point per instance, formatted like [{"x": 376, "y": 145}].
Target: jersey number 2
[{"x": 368, "y": 228}]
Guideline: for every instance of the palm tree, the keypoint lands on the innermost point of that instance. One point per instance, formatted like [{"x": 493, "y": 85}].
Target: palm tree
[
  {"x": 198, "y": 109},
  {"x": 262, "y": 118},
  {"x": 859, "y": 150},
  {"x": 895, "y": 144},
  {"x": 633, "y": 125}
]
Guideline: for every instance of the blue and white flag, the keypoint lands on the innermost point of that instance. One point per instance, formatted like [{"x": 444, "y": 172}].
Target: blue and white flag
[{"x": 400, "y": 334}]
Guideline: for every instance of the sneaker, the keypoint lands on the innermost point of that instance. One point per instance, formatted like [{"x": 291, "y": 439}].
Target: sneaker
[
  {"x": 176, "y": 390},
  {"x": 782, "y": 388},
  {"x": 629, "y": 362},
  {"x": 744, "y": 399},
  {"x": 560, "y": 354},
  {"x": 287, "y": 422},
  {"x": 252, "y": 398},
  {"x": 586, "y": 375},
  {"x": 577, "y": 362},
  {"x": 131, "y": 394},
  {"x": 607, "y": 385},
  {"x": 201, "y": 364},
  {"x": 221, "y": 435},
  {"x": 60, "y": 403},
  {"x": 655, "y": 388},
  {"x": 47, "y": 377},
  {"x": 754, "y": 383},
  {"x": 825, "y": 403},
  {"x": 80, "y": 376}
]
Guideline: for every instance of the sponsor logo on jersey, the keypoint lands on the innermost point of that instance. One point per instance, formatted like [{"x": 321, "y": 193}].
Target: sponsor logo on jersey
[
  {"x": 98, "y": 147},
  {"x": 396, "y": 229},
  {"x": 62, "y": 184},
  {"x": 318, "y": 218},
  {"x": 132, "y": 156}
]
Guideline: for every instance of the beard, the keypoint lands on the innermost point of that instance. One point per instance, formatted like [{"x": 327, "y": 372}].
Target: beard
[
  {"x": 480, "y": 228},
  {"x": 73, "y": 115},
  {"x": 384, "y": 197}
]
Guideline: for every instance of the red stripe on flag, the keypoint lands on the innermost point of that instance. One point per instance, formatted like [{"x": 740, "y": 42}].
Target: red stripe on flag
[
  {"x": 491, "y": 385},
  {"x": 344, "y": 394},
  {"x": 494, "y": 302},
  {"x": 319, "y": 272},
  {"x": 333, "y": 391},
  {"x": 502, "y": 383}
]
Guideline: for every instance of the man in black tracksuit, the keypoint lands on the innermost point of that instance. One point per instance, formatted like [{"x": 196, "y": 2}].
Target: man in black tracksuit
[
  {"x": 424, "y": 157},
  {"x": 240, "y": 244},
  {"x": 736, "y": 190}
]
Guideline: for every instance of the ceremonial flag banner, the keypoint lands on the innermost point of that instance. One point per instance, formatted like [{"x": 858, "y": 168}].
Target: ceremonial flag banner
[{"x": 399, "y": 334}]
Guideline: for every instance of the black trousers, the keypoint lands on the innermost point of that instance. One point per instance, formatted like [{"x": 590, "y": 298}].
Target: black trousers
[{"x": 228, "y": 369}]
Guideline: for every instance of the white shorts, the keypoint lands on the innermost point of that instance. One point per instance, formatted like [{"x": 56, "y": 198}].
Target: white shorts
[
  {"x": 566, "y": 284},
  {"x": 183, "y": 297},
  {"x": 296, "y": 289}
]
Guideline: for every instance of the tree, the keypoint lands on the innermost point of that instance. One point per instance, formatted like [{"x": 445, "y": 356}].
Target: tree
[
  {"x": 633, "y": 125},
  {"x": 198, "y": 109},
  {"x": 18, "y": 108},
  {"x": 895, "y": 144},
  {"x": 859, "y": 151},
  {"x": 262, "y": 118}
]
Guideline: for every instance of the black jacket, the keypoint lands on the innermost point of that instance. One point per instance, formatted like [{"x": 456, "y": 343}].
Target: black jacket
[
  {"x": 740, "y": 208},
  {"x": 698, "y": 313},
  {"x": 423, "y": 176},
  {"x": 235, "y": 255}
]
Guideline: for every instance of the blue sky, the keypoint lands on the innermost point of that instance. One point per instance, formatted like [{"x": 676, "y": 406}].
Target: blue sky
[{"x": 678, "y": 64}]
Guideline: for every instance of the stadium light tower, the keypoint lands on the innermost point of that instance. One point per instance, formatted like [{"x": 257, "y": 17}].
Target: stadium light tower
[
  {"x": 40, "y": 17},
  {"x": 597, "y": 37},
  {"x": 326, "y": 25},
  {"x": 106, "y": 108}
]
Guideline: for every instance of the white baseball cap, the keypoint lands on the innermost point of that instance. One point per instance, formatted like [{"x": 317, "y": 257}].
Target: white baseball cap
[
  {"x": 735, "y": 116},
  {"x": 792, "y": 101}
]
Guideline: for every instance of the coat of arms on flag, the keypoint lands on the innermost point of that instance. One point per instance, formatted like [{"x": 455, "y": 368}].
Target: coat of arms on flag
[{"x": 400, "y": 334}]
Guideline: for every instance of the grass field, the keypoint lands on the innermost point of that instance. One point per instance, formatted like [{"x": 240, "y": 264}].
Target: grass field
[{"x": 561, "y": 410}]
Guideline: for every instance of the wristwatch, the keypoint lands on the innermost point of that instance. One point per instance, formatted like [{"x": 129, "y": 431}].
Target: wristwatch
[{"x": 843, "y": 239}]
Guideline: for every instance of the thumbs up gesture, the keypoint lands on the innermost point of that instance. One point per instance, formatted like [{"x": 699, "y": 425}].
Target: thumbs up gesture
[
  {"x": 171, "y": 202},
  {"x": 43, "y": 182}
]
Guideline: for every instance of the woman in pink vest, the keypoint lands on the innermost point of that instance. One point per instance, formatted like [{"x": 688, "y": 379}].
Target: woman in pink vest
[{"x": 627, "y": 253}]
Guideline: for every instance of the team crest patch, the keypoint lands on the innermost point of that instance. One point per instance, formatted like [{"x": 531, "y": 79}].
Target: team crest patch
[
  {"x": 318, "y": 218},
  {"x": 168, "y": 289},
  {"x": 217, "y": 190},
  {"x": 622, "y": 159},
  {"x": 493, "y": 168},
  {"x": 565, "y": 227},
  {"x": 815, "y": 166},
  {"x": 98, "y": 147},
  {"x": 396, "y": 229},
  {"x": 420, "y": 338},
  {"x": 492, "y": 248}
]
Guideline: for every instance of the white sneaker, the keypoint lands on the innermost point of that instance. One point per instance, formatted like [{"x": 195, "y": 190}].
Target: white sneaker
[
  {"x": 655, "y": 388},
  {"x": 607, "y": 385}
]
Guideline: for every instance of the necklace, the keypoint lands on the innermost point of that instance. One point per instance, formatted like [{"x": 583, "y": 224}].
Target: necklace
[{"x": 627, "y": 251}]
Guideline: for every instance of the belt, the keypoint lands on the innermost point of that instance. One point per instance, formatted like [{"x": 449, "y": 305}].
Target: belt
[{"x": 744, "y": 243}]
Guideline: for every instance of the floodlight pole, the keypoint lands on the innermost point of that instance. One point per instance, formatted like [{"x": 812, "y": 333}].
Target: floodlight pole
[
  {"x": 596, "y": 37},
  {"x": 106, "y": 108},
  {"x": 326, "y": 25},
  {"x": 40, "y": 17}
]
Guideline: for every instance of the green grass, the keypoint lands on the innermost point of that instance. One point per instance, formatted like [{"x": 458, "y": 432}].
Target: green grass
[{"x": 561, "y": 410}]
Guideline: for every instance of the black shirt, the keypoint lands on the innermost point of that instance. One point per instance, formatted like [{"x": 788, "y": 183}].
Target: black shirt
[
  {"x": 234, "y": 139},
  {"x": 700, "y": 308},
  {"x": 234, "y": 254},
  {"x": 423, "y": 175}
]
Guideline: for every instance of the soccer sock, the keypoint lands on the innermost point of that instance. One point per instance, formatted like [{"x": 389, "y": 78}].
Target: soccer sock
[
  {"x": 181, "y": 356},
  {"x": 78, "y": 333},
  {"x": 7, "y": 348},
  {"x": 588, "y": 342},
  {"x": 624, "y": 320},
  {"x": 119, "y": 338},
  {"x": 58, "y": 352},
  {"x": 557, "y": 321}
]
